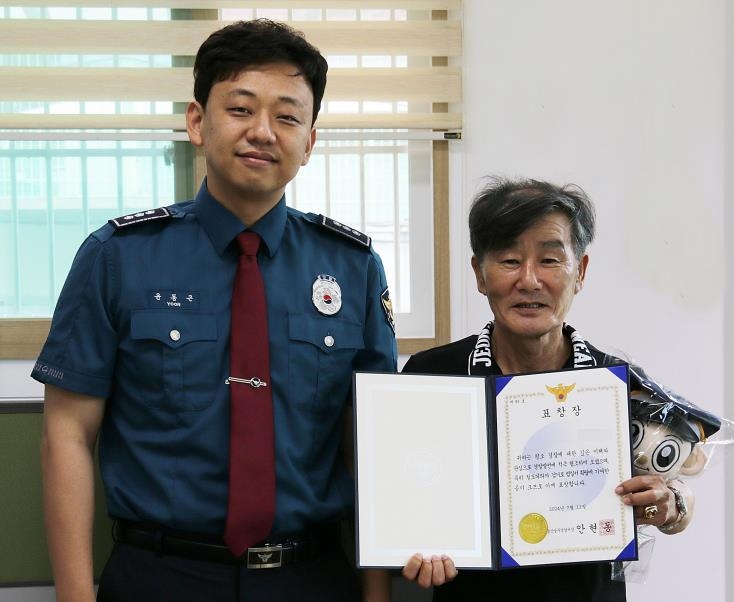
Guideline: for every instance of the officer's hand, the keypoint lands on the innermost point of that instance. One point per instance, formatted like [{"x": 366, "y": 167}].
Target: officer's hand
[{"x": 426, "y": 572}]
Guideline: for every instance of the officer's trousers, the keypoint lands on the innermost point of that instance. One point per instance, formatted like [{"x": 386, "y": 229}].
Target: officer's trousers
[{"x": 136, "y": 575}]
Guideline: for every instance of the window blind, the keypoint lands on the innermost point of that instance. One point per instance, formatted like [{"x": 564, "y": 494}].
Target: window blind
[
  {"x": 80, "y": 67},
  {"x": 106, "y": 72}
]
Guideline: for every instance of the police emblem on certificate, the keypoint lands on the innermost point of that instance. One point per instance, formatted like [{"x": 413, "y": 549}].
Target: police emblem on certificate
[{"x": 496, "y": 472}]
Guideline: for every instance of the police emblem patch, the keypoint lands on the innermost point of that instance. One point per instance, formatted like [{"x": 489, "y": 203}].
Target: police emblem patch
[
  {"x": 326, "y": 295},
  {"x": 387, "y": 306}
]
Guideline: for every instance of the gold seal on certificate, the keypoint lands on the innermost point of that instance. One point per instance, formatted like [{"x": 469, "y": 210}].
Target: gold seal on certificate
[{"x": 533, "y": 527}]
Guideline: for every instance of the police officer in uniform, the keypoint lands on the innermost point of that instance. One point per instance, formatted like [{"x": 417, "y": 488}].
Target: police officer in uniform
[{"x": 138, "y": 355}]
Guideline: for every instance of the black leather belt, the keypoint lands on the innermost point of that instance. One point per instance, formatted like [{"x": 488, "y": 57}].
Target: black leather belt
[{"x": 273, "y": 553}]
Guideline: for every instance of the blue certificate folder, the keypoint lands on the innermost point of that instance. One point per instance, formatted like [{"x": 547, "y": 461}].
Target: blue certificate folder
[{"x": 497, "y": 472}]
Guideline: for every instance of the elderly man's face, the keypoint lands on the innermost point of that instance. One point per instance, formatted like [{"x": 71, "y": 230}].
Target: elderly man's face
[{"x": 531, "y": 285}]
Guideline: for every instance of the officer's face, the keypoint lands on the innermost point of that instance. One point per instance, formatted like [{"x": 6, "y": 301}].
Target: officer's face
[
  {"x": 256, "y": 133},
  {"x": 531, "y": 285}
]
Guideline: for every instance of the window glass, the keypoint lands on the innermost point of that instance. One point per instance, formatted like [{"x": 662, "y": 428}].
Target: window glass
[{"x": 54, "y": 192}]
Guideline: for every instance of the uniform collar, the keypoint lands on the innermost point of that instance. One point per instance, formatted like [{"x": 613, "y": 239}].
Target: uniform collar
[
  {"x": 222, "y": 226},
  {"x": 271, "y": 226}
]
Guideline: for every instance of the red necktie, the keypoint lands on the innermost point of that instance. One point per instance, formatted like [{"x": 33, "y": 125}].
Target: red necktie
[{"x": 251, "y": 503}]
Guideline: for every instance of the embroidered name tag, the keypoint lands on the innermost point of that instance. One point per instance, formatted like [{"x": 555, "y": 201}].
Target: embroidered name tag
[{"x": 167, "y": 299}]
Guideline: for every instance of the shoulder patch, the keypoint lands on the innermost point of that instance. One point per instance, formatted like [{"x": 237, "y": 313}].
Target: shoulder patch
[
  {"x": 140, "y": 217},
  {"x": 387, "y": 307},
  {"x": 346, "y": 231}
]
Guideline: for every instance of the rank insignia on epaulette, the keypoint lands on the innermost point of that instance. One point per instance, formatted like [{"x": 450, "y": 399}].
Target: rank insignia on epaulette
[
  {"x": 344, "y": 230},
  {"x": 140, "y": 216}
]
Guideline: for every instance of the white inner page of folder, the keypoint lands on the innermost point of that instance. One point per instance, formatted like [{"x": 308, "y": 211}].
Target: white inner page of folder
[{"x": 423, "y": 484}]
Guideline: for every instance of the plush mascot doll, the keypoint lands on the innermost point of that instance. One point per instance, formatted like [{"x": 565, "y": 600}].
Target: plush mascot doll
[
  {"x": 664, "y": 444},
  {"x": 667, "y": 429},
  {"x": 668, "y": 438},
  {"x": 668, "y": 433}
]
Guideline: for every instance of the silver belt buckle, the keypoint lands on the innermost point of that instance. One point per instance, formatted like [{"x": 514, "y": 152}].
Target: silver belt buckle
[{"x": 265, "y": 557}]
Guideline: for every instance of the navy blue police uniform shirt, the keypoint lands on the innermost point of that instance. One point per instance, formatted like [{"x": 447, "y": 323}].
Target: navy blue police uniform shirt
[{"x": 143, "y": 321}]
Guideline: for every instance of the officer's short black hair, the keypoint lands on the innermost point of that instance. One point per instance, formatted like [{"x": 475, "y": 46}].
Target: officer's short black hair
[
  {"x": 505, "y": 208},
  {"x": 235, "y": 47}
]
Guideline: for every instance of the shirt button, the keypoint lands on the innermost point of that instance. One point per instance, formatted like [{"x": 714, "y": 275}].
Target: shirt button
[
  {"x": 175, "y": 335},
  {"x": 329, "y": 340}
]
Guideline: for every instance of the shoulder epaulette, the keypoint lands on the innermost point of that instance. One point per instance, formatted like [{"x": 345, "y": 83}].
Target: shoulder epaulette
[
  {"x": 140, "y": 217},
  {"x": 339, "y": 228}
]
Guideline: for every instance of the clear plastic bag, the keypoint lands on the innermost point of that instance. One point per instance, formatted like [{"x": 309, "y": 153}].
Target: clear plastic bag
[
  {"x": 671, "y": 437},
  {"x": 636, "y": 571}
]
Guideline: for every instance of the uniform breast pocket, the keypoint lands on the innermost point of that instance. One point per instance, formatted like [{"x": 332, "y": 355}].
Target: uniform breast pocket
[
  {"x": 322, "y": 353},
  {"x": 178, "y": 359}
]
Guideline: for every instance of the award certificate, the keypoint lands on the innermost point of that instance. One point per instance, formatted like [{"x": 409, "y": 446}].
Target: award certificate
[
  {"x": 563, "y": 445},
  {"x": 495, "y": 472}
]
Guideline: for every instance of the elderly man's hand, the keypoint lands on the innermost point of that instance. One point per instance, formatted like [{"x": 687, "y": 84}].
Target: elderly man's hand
[
  {"x": 426, "y": 572},
  {"x": 651, "y": 494}
]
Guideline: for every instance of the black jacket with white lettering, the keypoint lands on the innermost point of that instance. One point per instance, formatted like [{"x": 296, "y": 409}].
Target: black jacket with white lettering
[
  {"x": 453, "y": 359},
  {"x": 587, "y": 582}
]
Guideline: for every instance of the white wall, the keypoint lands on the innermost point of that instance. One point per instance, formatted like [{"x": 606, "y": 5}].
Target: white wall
[
  {"x": 729, "y": 278},
  {"x": 16, "y": 384},
  {"x": 27, "y": 594},
  {"x": 625, "y": 99}
]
